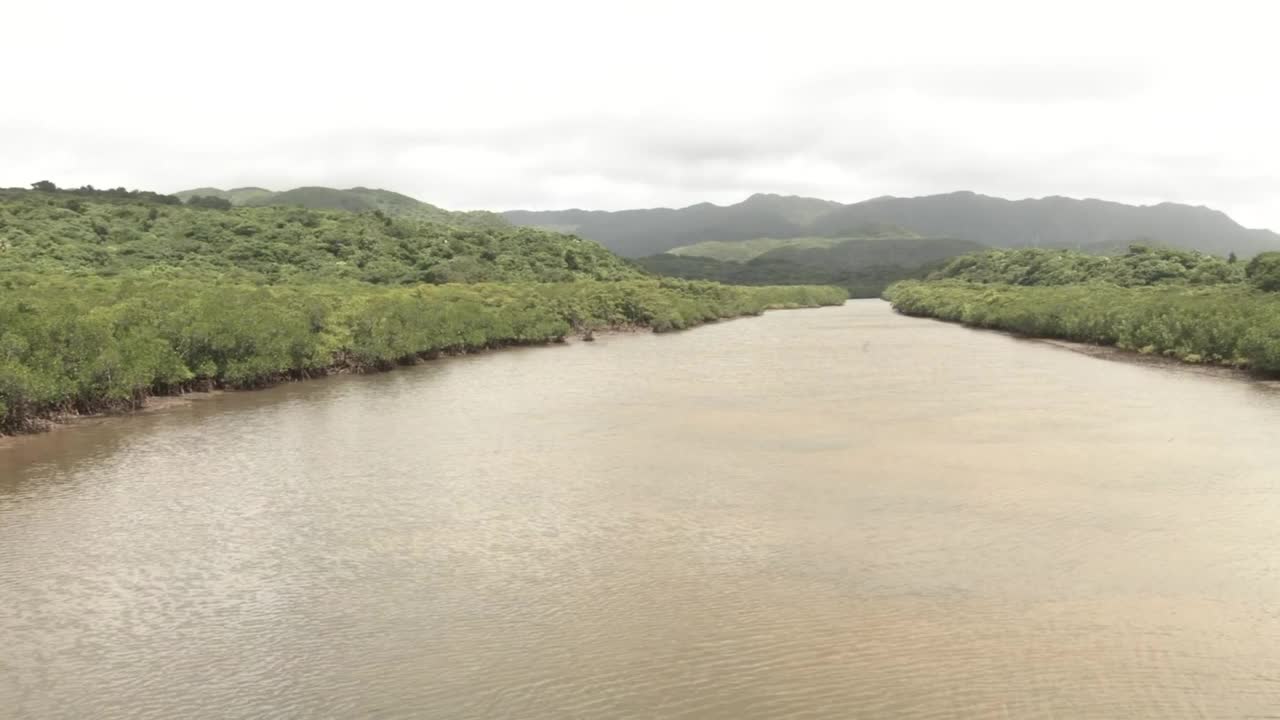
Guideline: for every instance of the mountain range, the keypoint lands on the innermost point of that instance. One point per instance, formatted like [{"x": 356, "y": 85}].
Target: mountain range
[
  {"x": 1055, "y": 222},
  {"x": 770, "y": 221}
]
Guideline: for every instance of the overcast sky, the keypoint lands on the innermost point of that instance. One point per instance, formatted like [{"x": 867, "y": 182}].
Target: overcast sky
[{"x": 596, "y": 104}]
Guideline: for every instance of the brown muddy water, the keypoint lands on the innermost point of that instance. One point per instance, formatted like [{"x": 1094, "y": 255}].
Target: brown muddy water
[{"x": 827, "y": 513}]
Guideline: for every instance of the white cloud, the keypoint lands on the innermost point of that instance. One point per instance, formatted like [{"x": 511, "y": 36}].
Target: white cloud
[{"x": 574, "y": 103}]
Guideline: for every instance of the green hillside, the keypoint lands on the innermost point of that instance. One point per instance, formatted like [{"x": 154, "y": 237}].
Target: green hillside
[
  {"x": 62, "y": 231},
  {"x": 236, "y": 196},
  {"x": 357, "y": 199}
]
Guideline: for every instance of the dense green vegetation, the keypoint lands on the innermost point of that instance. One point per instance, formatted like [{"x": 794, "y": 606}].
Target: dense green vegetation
[
  {"x": 74, "y": 196},
  {"x": 108, "y": 297},
  {"x": 57, "y": 231},
  {"x": 864, "y": 266},
  {"x": 357, "y": 199},
  {"x": 86, "y": 344},
  {"x": 1051, "y": 222},
  {"x": 1229, "y": 324},
  {"x": 1140, "y": 265},
  {"x": 1264, "y": 272},
  {"x": 1190, "y": 306}
]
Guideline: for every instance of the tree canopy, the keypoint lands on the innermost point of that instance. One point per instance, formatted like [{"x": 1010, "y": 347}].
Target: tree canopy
[
  {"x": 1140, "y": 265},
  {"x": 1264, "y": 271},
  {"x": 112, "y": 232}
]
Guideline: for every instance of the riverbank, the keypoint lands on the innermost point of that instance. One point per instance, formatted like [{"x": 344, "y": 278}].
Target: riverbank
[
  {"x": 198, "y": 392},
  {"x": 1130, "y": 357},
  {"x": 75, "y": 347},
  {"x": 1228, "y": 326}
]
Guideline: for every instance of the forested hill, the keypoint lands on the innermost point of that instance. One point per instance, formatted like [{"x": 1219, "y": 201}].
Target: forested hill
[
  {"x": 1053, "y": 222},
  {"x": 110, "y": 232},
  {"x": 357, "y": 199},
  {"x": 864, "y": 266}
]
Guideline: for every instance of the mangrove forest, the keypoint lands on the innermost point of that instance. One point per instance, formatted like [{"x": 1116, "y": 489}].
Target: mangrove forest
[{"x": 1194, "y": 307}]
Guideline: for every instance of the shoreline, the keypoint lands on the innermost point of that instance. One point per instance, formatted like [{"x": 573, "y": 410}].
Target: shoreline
[
  {"x": 1115, "y": 354},
  {"x": 155, "y": 402},
  {"x": 1219, "y": 329},
  {"x": 1133, "y": 357}
]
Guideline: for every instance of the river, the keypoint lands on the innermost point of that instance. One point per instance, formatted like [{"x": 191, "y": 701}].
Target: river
[{"x": 826, "y": 513}]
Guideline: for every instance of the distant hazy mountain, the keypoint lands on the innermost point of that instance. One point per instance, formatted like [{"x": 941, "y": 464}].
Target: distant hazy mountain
[
  {"x": 1048, "y": 222},
  {"x": 635, "y": 233},
  {"x": 357, "y": 199},
  {"x": 1057, "y": 222},
  {"x": 863, "y": 265}
]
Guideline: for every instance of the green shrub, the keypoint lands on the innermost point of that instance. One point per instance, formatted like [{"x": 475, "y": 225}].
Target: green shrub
[{"x": 1264, "y": 271}]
